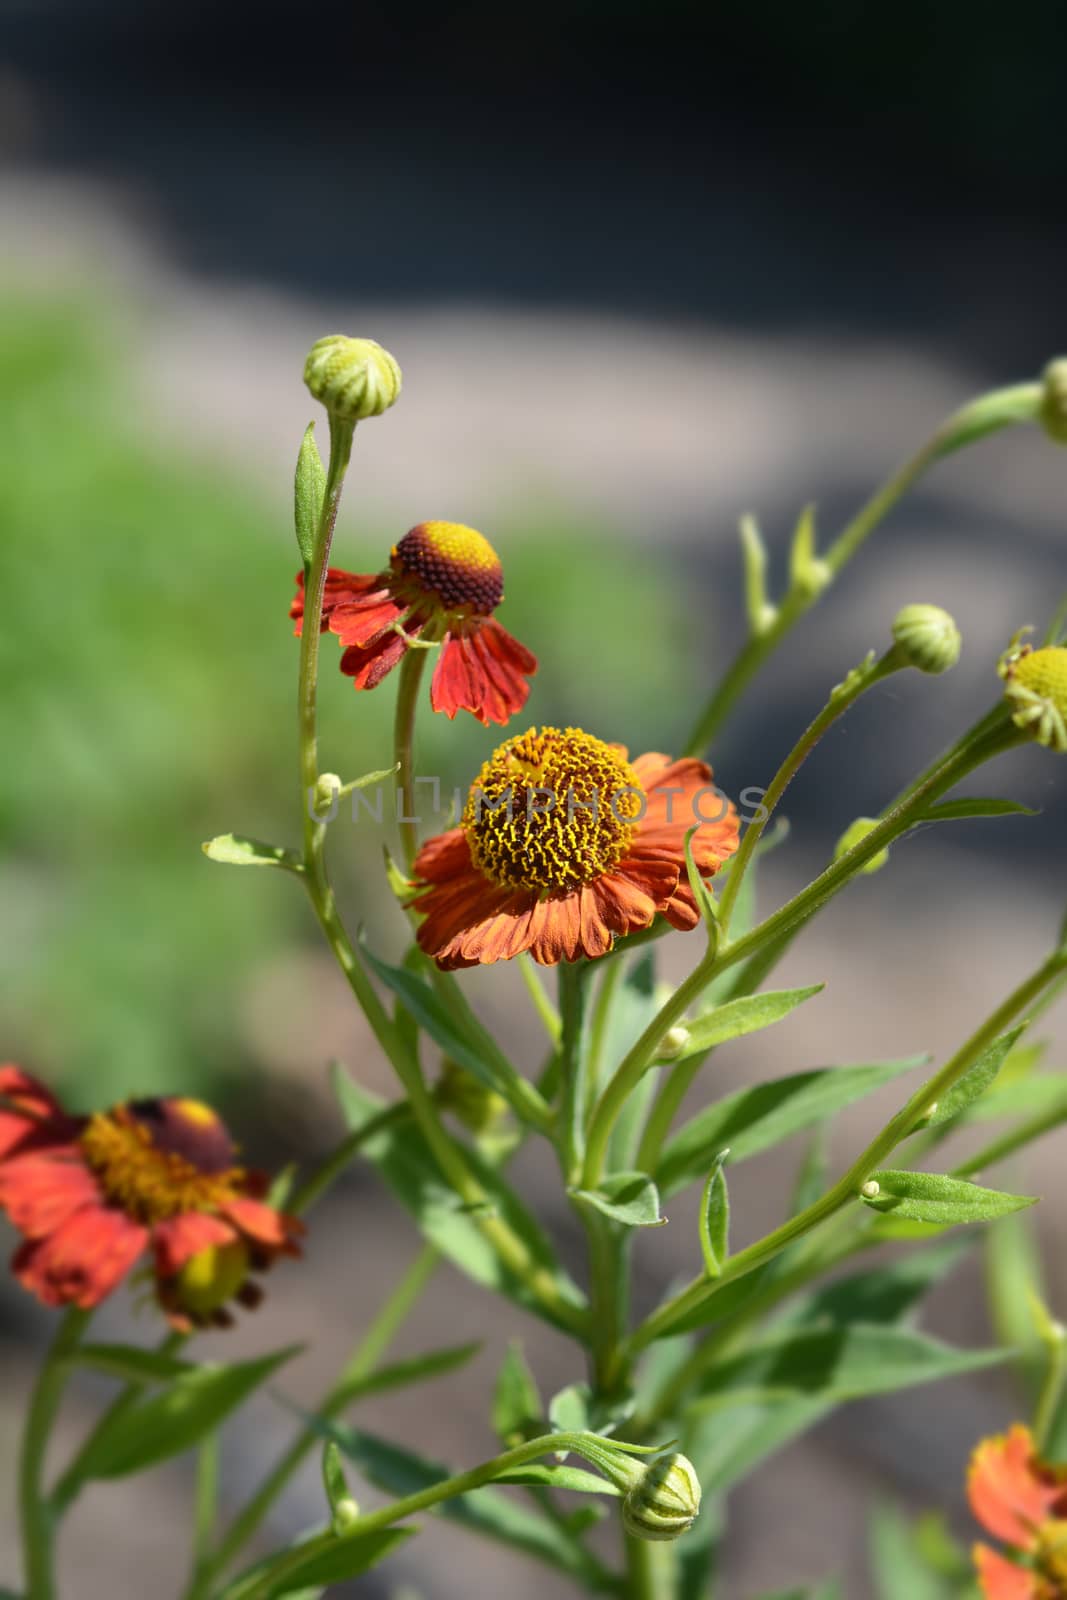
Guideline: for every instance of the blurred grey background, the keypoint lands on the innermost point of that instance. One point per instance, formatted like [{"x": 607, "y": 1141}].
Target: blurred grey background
[{"x": 645, "y": 268}]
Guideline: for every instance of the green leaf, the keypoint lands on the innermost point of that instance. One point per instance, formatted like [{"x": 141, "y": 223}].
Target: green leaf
[
  {"x": 178, "y": 1416},
  {"x": 346, "y": 1559},
  {"x": 401, "y": 1374},
  {"x": 130, "y": 1364},
  {"x": 836, "y": 1364},
  {"x": 976, "y": 1080},
  {"x": 338, "y": 1494},
  {"x": 1013, "y": 1273},
  {"x": 489, "y": 1511},
  {"x": 517, "y": 1406},
  {"x": 431, "y": 1013},
  {"x": 1043, "y": 1093},
  {"x": 633, "y": 1007},
  {"x": 309, "y": 493},
  {"x": 883, "y": 1294},
  {"x": 900, "y": 1573},
  {"x": 576, "y": 1409},
  {"x": 959, "y": 810},
  {"x": 739, "y": 1017},
  {"x": 715, "y": 1219},
  {"x": 627, "y": 1197},
  {"x": 234, "y": 850},
  {"x": 407, "y": 1164},
  {"x": 931, "y": 1197},
  {"x": 703, "y": 893},
  {"x": 751, "y": 1120}
]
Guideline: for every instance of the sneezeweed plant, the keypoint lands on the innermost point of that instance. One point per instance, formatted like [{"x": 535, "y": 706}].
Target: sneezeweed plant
[{"x": 572, "y": 859}]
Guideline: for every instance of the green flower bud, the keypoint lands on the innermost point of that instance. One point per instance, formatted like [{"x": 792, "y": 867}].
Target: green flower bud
[
  {"x": 673, "y": 1043},
  {"x": 479, "y": 1108},
  {"x": 665, "y": 1499},
  {"x": 354, "y": 378},
  {"x": 855, "y": 835},
  {"x": 1054, "y": 400},
  {"x": 1035, "y": 686},
  {"x": 928, "y": 637}
]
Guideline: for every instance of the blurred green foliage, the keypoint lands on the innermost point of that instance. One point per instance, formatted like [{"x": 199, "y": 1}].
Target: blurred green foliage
[{"x": 147, "y": 687}]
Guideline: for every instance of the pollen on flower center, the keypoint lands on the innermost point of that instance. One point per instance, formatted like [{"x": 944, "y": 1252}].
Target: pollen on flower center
[
  {"x": 1052, "y": 1551},
  {"x": 159, "y": 1158},
  {"x": 457, "y": 564},
  {"x": 552, "y": 810}
]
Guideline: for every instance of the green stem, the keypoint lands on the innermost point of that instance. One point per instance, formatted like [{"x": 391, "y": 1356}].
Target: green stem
[
  {"x": 650, "y": 1569},
  {"x": 1051, "y": 1388},
  {"x": 573, "y": 979},
  {"x": 205, "y": 1507},
  {"x": 964, "y": 759},
  {"x": 550, "y": 1019},
  {"x": 411, "y": 670},
  {"x": 845, "y": 696},
  {"x": 845, "y": 1191},
  {"x": 332, "y": 1165},
  {"x": 1002, "y": 408},
  {"x": 448, "y": 1155},
  {"x": 368, "y": 1354},
  {"x": 673, "y": 1092},
  {"x": 610, "y": 978},
  {"x": 608, "y": 1301},
  {"x": 264, "y": 1581},
  {"x": 37, "y": 1513}
]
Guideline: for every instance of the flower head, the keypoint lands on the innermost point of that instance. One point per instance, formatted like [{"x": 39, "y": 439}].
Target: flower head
[
  {"x": 1021, "y": 1500},
  {"x": 1035, "y": 685},
  {"x": 442, "y": 585},
  {"x": 354, "y": 378},
  {"x": 565, "y": 845},
  {"x": 92, "y": 1195}
]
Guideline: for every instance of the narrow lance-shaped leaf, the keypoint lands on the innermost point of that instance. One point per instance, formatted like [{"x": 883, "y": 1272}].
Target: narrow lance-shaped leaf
[
  {"x": 932, "y": 1197},
  {"x": 346, "y": 1558},
  {"x": 627, "y": 1197},
  {"x": 715, "y": 1219},
  {"x": 338, "y": 1496},
  {"x": 234, "y": 850},
  {"x": 739, "y": 1017},
  {"x": 309, "y": 492},
  {"x": 402, "y": 1374},
  {"x": 751, "y": 1120},
  {"x": 517, "y": 1405},
  {"x": 976, "y": 1080},
  {"x": 960, "y": 810},
  {"x": 130, "y": 1363}
]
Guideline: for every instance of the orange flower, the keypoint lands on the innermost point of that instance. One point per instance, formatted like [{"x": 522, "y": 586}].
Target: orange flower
[
  {"x": 91, "y": 1195},
  {"x": 1021, "y": 1500},
  {"x": 565, "y": 846},
  {"x": 443, "y": 583}
]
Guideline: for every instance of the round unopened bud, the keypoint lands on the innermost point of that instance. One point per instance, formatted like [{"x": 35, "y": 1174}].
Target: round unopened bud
[
  {"x": 345, "y": 1512},
  {"x": 1035, "y": 686},
  {"x": 664, "y": 1501},
  {"x": 928, "y": 637},
  {"x": 871, "y": 1189},
  {"x": 1054, "y": 400},
  {"x": 478, "y": 1107},
  {"x": 673, "y": 1043},
  {"x": 855, "y": 835},
  {"x": 354, "y": 378}
]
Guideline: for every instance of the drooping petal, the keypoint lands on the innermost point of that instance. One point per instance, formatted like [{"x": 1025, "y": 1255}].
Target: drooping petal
[
  {"x": 264, "y": 1228},
  {"x": 84, "y": 1260},
  {"x": 1003, "y": 1580},
  {"x": 340, "y": 588},
  {"x": 1011, "y": 1491},
  {"x": 40, "y": 1191},
  {"x": 39, "y": 1120},
  {"x": 177, "y": 1239},
  {"x": 452, "y": 687},
  {"x": 368, "y": 665},
  {"x": 363, "y": 621},
  {"x": 446, "y": 856}
]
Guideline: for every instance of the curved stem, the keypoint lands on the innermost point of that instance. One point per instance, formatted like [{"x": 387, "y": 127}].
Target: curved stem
[
  {"x": 411, "y": 670},
  {"x": 847, "y": 1188},
  {"x": 37, "y": 1513},
  {"x": 650, "y": 1569},
  {"x": 368, "y": 1353},
  {"x": 989, "y": 413},
  {"x": 968, "y": 755}
]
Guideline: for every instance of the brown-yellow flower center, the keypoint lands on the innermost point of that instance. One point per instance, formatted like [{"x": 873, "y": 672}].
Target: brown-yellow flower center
[
  {"x": 160, "y": 1158},
  {"x": 552, "y": 810},
  {"x": 457, "y": 565}
]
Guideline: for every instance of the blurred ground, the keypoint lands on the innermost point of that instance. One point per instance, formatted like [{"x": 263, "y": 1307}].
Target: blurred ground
[{"x": 147, "y": 566}]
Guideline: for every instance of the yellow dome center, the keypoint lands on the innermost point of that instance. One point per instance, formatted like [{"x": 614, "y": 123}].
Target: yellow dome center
[
  {"x": 1036, "y": 686},
  {"x": 456, "y": 566},
  {"x": 160, "y": 1158},
  {"x": 552, "y": 810},
  {"x": 1052, "y": 1554}
]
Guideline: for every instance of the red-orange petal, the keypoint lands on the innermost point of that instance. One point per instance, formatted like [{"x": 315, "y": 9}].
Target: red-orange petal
[
  {"x": 176, "y": 1240},
  {"x": 340, "y": 588},
  {"x": 445, "y": 856},
  {"x": 265, "y": 1228},
  {"x": 482, "y": 669},
  {"x": 1000, "y": 1579},
  {"x": 40, "y": 1191},
  {"x": 84, "y": 1261},
  {"x": 44, "y": 1123},
  {"x": 368, "y": 665},
  {"x": 1011, "y": 1491},
  {"x": 455, "y": 685}
]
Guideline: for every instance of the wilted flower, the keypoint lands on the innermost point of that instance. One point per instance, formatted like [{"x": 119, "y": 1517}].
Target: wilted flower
[
  {"x": 92, "y": 1195},
  {"x": 1021, "y": 1500},
  {"x": 565, "y": 846},
  {"x": 443, "y": 583}
]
